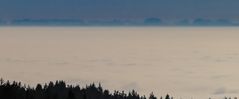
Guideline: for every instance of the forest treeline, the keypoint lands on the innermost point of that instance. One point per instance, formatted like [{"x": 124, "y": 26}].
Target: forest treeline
[{"x": 59, "y": 90}]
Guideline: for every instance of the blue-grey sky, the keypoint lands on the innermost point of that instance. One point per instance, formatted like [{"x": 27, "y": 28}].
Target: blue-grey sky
[{"x": 123, "y": 9}]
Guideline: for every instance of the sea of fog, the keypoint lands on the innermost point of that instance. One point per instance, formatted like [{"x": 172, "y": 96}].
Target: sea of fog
[{"x": 186, "y": 62}]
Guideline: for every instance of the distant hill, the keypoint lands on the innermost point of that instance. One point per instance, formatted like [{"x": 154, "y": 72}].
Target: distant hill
[
  {"x": 152, "y": 21},
  {"x": 120, "y": 22}
]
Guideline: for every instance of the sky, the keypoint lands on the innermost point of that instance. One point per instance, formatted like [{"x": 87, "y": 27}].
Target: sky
[
  {"x": 186, "y": 62},
  {"x": 118, "y": 9}
]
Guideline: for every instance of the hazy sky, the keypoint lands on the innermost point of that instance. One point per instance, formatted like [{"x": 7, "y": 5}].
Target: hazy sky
[
  {"x": 186, "y": 62},
  {"x": 105, "y": 9}
]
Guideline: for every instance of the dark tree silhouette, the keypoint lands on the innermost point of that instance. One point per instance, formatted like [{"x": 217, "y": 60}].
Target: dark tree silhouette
[
  {"x": 151, "y": 96},
  {"x": 167, "y": 96},
  {"x": 59, "y": 90}
]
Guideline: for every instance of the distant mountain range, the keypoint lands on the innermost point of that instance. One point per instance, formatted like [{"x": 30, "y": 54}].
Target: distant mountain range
[{"x": 119, "y": 22}]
